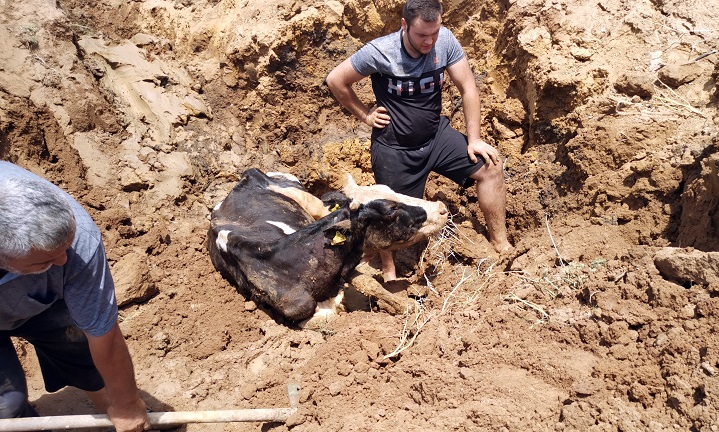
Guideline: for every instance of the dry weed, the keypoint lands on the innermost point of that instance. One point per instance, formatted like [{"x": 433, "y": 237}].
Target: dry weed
[
  {"x": 669, "y": 97},
  {"x": 27, "y": 34},
  {"x": 413, "y": 323},
  {"x": 565, "y": 278},
  {"x": 543, "y": 315},
  {"x": 561, "y": 280},
  {"x": 441, "y": 247},
  {"x": 465, "y": 292}
]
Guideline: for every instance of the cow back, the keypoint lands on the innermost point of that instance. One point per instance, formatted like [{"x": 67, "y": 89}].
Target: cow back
[{"x": 257, "y": 212}]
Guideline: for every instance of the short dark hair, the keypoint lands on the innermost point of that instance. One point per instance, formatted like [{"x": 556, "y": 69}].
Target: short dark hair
[{"x": 426, "y": 10}]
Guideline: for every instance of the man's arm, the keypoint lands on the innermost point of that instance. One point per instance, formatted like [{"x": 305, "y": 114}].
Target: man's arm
[
  {"x": 462, "y": 76},
  {"x": 112, "y": 359},
  {"x": 340, "y": 81}
]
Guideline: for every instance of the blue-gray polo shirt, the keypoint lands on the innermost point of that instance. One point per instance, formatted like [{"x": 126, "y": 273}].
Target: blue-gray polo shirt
[{"x": 84, "y": 282}]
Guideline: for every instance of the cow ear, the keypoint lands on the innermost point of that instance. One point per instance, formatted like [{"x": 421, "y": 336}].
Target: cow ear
[
  {"x": 350, "y": 187},
  {"x": 369, "y": 213},
  {"x": 337, "y": 232},
  {"x": 350, "y": 181},
  {"x": 343, "y": 225},
  {"x": 382, "y": 208}
]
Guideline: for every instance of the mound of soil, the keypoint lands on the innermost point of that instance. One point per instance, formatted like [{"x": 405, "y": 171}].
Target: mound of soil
[{"x": 604, "y": 318}]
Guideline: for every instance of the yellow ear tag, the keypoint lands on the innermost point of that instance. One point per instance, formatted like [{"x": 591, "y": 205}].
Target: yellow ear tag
[
  {"x": 334, "y": 208},
  {"x": 338, "y": 239}
]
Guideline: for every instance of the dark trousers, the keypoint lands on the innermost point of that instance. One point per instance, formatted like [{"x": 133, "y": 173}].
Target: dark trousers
[{"x": 63, "y": 354}]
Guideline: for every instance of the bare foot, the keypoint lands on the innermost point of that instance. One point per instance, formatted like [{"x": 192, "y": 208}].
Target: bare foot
[{"x": 502, "y": 248}]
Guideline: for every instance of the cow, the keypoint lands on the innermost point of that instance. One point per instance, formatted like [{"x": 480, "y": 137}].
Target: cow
[{"x": 290, "y": 250}]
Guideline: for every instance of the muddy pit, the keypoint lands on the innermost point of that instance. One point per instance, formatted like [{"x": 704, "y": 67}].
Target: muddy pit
[{"x": 605, "y": 317}]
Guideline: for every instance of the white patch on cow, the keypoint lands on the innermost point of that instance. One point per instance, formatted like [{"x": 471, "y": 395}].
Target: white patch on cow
[
  {"x": 283, "y": 226},
  {"x": 309, "y": 203},
  {"x": 324, "y": 311},
  {"x": 221, "y": 241},
  {"x": 281, "y": 174},
  {"x": 330, "y": 306},
  {"x": 218, "y": 205}
]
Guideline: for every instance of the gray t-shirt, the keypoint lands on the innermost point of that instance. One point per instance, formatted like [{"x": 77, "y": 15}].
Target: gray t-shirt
[
  {"x": 410, "y": 89},
  {"x": 84, "y": 282}
]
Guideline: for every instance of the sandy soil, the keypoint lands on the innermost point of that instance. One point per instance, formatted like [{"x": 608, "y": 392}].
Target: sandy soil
[{"x": 605, "y": 318}]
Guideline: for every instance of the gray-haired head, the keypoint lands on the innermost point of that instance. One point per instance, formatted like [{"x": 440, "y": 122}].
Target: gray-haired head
[
  {"x": 34, "y": 215},
  {"x": 426, "y": 10}
]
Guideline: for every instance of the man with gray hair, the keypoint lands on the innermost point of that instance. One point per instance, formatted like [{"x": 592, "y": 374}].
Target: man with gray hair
[
  {"x": 410, "y": 138},
  {"x": 57, "y": 293}
]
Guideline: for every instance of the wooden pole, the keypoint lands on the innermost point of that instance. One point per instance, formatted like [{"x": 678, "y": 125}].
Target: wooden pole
[{"x": 165, "y": 419}]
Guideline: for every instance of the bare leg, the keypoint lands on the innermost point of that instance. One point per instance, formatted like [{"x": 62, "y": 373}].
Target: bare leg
[
  {"x": 492, "y": 200},
  {"x": 389, "y": 273},
  {"x": 100, "y": 399}
]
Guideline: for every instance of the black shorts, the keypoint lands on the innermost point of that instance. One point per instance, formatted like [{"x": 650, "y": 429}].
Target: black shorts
[
  {"x": 62, "y": 351},
  {"x": 406, "y": 170}
]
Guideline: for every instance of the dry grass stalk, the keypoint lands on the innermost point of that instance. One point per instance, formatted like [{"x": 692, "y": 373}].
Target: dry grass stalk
[
  {"x": 541, "y": 283},
  {"x": 544, "y": 316},
  {"x": 675, "y": 99},
  {"x": 664, "y": 107},
  {"x": 430, "y": 285},
  {"x": 472, "y": 283},
  {"x": 462, "y": 280},
  {"x": 464, "y": 292},
  {"x": 551, "y": 238},
  {"x": 441, "y": 247},
  {"x": 552, "y": 284},
  {"x": 413, "y": 323}
]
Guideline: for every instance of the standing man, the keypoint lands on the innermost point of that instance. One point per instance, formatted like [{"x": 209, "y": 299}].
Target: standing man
[
  {"x": 57, "y": 293},
  {"x": 410, "y": 138}
]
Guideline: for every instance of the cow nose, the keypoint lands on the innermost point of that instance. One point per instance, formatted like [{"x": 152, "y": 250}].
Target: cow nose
[{"x": 443, "y": 209}]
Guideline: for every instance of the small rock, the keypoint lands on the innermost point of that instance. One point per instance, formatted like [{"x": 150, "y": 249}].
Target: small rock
[
  {"x": 708, "y": 369},
  {"x": 677, "y": 75},
  {"x": 130, "y": 181},
  {"x": 247, "y": 390},
  {"x": 687, "y": 265},
  {"x": 132, "y": 284},
  {"x": 196, "y": 107},
  {"x": 336, "y": 388},
  {"x": 661, "y": 340},
  {"x": 178, "y": 163},
  {"x": 585, "y": 387},
  {"x": 581, "y": 54},
  {"x": 295, "y": 419},
  {"x": 142, "y": 39},
  {"x": 634, "y": 83}
]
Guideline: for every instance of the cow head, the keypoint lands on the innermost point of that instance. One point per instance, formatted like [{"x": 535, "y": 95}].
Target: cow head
[{"x": 416, "y": 220}]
